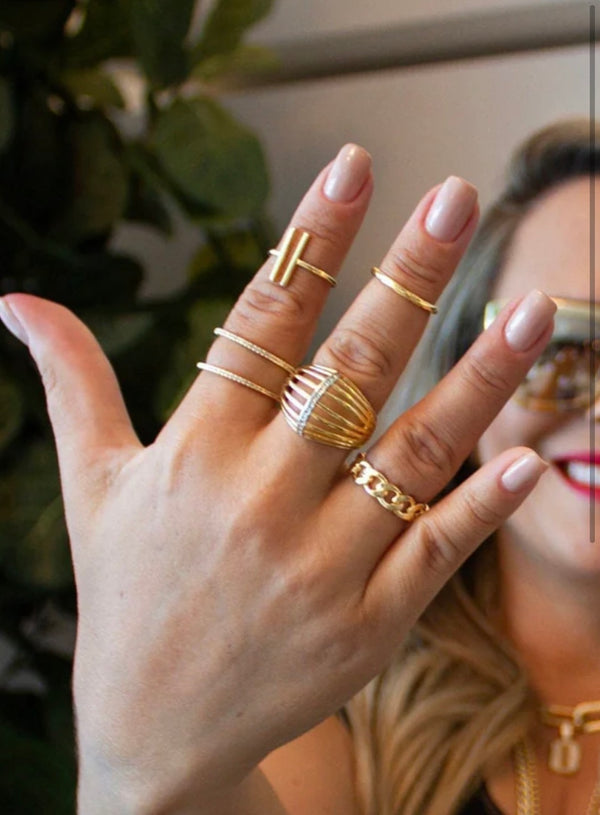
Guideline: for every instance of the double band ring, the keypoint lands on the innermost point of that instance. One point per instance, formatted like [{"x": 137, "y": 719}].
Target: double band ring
[
  {"x": 288, "y": 257},
  {"x": 388, "y": 495},
  {"x": 402, "y": 291}
]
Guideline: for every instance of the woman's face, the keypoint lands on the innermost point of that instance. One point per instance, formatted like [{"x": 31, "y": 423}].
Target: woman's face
[{"x": 551, "y": 252}]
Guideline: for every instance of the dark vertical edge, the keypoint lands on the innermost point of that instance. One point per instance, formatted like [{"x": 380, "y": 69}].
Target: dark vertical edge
[{"x": 592, "y": 78}]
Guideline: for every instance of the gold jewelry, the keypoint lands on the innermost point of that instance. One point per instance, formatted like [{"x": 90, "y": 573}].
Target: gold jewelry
[
  {"x": 256, "y": 349},
  {"x": 388, "y": 495},
  {"x": 527, "y": 787},
  {"x": 324, "y": 405},
  {"x": 288, "y": 258},
  {"x": 213, "y": 369},
  {"x": 402, "y": 291},
  {"x": 565, "y": 753}
]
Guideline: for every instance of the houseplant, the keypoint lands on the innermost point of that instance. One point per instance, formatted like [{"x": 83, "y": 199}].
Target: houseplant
[{"x": 69, "y": 176}]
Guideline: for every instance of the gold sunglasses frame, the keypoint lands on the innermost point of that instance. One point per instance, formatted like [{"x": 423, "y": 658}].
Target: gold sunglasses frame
[{"x": 572, "y": 323}]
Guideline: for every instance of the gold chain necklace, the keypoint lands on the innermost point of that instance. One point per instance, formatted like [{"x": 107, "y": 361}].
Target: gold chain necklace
[{"x": 527, "y": 787}]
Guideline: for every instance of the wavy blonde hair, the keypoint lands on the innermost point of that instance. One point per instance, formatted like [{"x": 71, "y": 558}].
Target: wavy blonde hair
[{"x": 455, "y": 699}]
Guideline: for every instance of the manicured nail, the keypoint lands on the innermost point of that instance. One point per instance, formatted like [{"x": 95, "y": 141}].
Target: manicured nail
[
  {"x": 451, "y": 209},
  {"x": 10, "y": 320},
  {"x": 348, "y": 174},
  {"x": 523, "y": 472},
  {"x": 529, "y": 320}
]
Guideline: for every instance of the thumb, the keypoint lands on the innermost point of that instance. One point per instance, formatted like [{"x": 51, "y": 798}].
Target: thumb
[{"x": 85, "y": 405}]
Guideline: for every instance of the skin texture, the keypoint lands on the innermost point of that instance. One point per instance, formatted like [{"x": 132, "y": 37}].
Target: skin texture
[
  {"x": 549, "y": 567},
  {"x": 235, "y": 587}
]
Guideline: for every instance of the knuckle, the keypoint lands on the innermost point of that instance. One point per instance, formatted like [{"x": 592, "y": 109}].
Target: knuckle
[
  {"x": 440, "y": 553},
  {"x": 49, "y": 379},
  {"x": 261, "y": 299},
  {"x": 484, "y": 378},
  {"x": 324, "y": 235},
  {"x": 427, "y": 449},
  {"x": 481, "y": 513},
  {"x": 357, "y": 353},
  {"x": 416, "y": 270}
]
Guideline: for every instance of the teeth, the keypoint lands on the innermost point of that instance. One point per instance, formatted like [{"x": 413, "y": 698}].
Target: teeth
[{"x": 583, "y": 473}]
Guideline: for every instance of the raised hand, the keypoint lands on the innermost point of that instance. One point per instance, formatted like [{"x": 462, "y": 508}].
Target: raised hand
[{"x": 235, "y": 586}]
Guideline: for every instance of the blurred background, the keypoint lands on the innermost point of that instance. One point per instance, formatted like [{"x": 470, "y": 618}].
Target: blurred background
[{"x": 149, "y": 157}]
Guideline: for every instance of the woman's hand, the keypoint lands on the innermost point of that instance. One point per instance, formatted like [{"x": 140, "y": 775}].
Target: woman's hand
[{"x": 235, "y": 586}]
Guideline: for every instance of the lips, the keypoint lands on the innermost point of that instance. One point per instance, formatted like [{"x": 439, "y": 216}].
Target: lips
[{"x": 581, "y": 471}]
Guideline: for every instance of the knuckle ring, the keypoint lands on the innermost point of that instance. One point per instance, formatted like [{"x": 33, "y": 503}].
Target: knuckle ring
[
  {"x": 402, "y": 291},
  {"x": 323, "y": 405},
  {"x": 288, "y": 257},
  {"x": 388, "y": 495}
]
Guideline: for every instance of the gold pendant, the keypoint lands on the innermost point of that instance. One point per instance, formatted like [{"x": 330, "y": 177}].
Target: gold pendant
[{"x": 565, "y": 754}]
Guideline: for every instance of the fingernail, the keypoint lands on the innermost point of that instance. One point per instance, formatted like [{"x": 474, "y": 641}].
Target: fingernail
[
  {"x": 529, "y": 321},
  {"x": 348, "y": 174},
  {"x": 451, "y": 209},
  {"x": 523, "y": 472},
  {"x": 11, "y": 322}
]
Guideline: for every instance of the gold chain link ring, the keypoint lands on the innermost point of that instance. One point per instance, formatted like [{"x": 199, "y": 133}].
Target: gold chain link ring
[{"x": 387, "y": 494}]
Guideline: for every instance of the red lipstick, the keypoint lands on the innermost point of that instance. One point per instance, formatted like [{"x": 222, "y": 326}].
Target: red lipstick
[{"x": 581, "y": 472}]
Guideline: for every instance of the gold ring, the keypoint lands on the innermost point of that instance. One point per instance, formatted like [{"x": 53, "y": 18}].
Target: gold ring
[
  {"x": 214, "y": 369},
  {"x": 256, "y": 349},
  {"x": 387, "y": 494},
  {"x": 402, "y": 291},
  {"x": 288, "y": 257},
  {"x": 324, "y": 405}
]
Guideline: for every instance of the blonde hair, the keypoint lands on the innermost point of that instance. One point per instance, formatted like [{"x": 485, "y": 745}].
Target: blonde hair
[{"x": 455, "y": 698}]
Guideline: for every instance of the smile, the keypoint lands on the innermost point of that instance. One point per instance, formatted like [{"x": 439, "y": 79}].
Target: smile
[{"x": 582, "y": 474}]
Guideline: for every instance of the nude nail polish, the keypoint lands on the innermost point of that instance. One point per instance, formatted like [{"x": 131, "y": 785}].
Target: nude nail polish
[
  {"x": 9, "y": 318},
  {"x": 529, "y": 320},
  {"x": 348, "y": 174},
  {"x": 523, "y": 472},
  {"x": 451, "y": 209}
]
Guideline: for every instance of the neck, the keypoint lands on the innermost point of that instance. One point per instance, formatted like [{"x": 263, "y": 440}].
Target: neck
[{"x": 553, "y": 619}]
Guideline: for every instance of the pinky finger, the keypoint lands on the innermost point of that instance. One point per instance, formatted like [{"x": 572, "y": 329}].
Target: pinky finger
[{"x": 427, "y": 554}]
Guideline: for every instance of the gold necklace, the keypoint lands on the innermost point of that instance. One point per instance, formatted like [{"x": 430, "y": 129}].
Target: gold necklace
[
  {"x": 565, "y": 753},
  {"x": 527, "y": 787}
]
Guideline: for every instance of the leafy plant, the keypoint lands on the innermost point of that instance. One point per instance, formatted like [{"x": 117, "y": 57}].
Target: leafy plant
[{"x": 68, "y": 177}]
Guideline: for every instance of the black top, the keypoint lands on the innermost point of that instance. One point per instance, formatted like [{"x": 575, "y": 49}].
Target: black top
[{"x": 480, "y": 804}]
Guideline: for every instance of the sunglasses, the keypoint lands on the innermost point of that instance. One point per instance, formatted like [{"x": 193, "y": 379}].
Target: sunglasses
[{"x": 566, "y": 375}]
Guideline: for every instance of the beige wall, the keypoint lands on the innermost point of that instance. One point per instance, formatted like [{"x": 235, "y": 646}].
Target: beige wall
[{"x": 420, "y": 124}]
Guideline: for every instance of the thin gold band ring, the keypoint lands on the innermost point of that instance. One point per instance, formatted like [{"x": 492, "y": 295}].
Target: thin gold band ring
[{"x": 402, "y": 291}]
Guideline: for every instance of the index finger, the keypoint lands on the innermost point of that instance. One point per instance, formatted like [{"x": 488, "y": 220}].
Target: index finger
[{"x": 282, "y": 318}]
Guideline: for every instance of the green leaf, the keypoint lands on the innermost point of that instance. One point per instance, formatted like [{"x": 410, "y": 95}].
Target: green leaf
[
  {"x": 105, "y": 34},
  {"x": 11, "y": 410},
  {"x": 203, "y": 318},
  {"x": 24, "y": 759},
  {"x": 159, "y": 31},
  {"x": 244, "y": 60},
  {"x": 147, "y": 191},
  {"x": 7, "y": 116},
  {"x": 32, "y": 526},
  {"x": 210, "y": 158},
  {"x": 226, "y": 25},
  {"x": 39, "y": 20},
  {"x": 92, "y": 87},
  {"x": 99, "y": 191}
]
